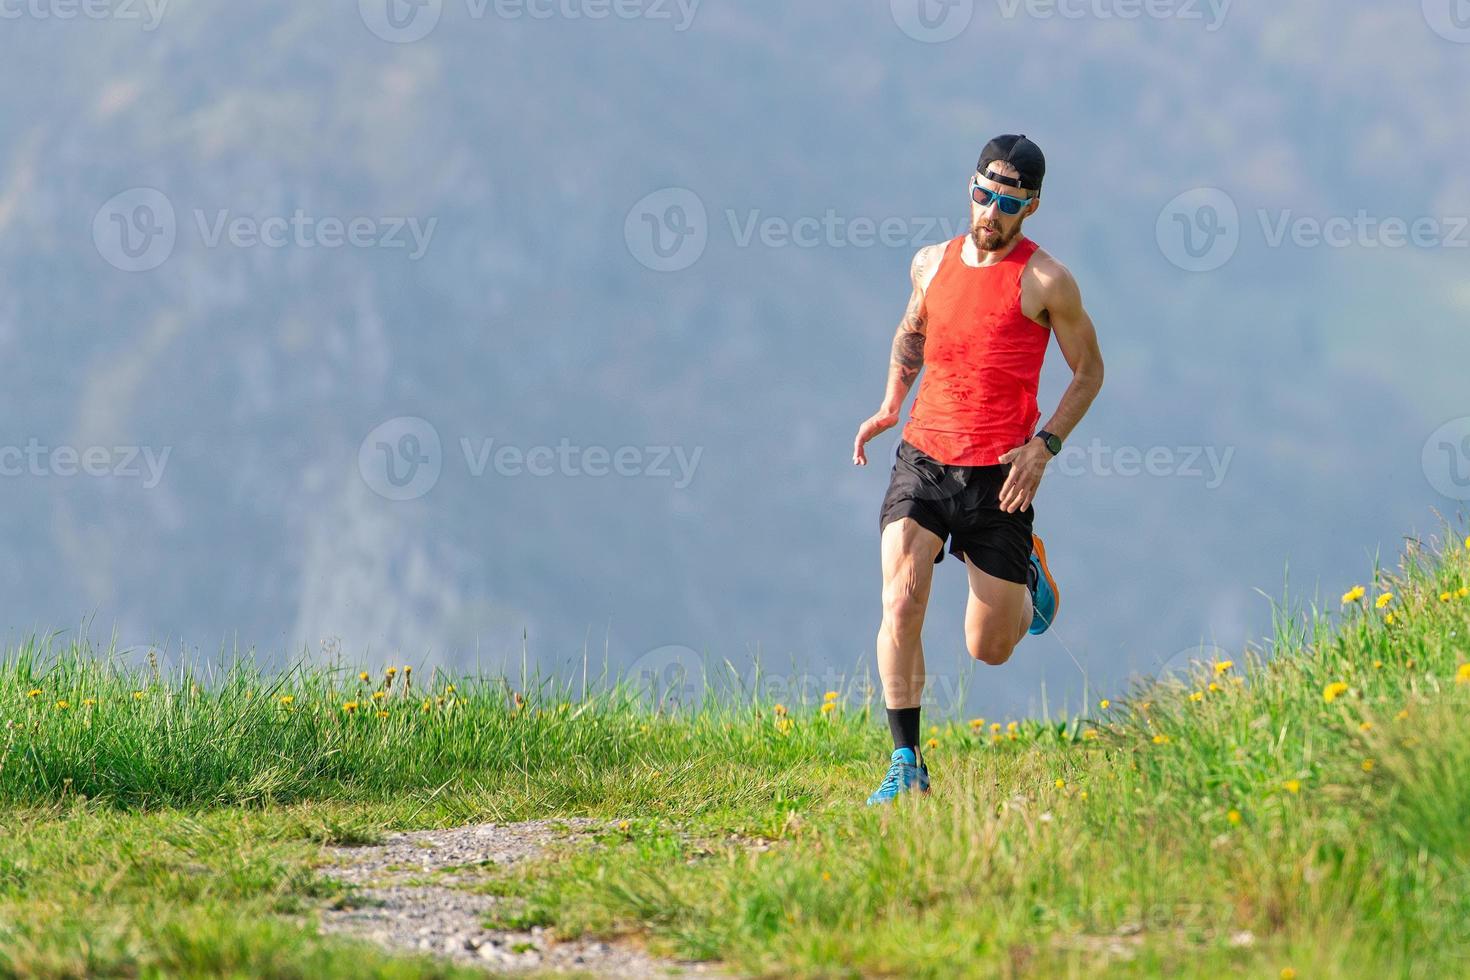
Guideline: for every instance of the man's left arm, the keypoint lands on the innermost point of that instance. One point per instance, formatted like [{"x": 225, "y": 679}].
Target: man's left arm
[{"x": 1077, "y": 338}]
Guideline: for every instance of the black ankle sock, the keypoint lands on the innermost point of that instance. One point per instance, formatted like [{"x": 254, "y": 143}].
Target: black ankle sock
[{"x": 904, "y": 724}]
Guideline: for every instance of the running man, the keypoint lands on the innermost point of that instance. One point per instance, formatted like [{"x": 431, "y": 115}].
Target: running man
[{"x": 984, "y": 308}]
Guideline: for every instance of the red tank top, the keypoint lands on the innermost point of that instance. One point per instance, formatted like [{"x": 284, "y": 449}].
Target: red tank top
[{"x": 982, "y": 362}]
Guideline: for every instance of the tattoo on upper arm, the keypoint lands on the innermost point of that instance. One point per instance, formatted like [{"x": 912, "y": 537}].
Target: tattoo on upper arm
[{"x": 908, "y": 342}]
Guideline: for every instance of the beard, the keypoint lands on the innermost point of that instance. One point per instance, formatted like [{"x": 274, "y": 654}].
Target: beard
[{"x": 989, "y": 237}]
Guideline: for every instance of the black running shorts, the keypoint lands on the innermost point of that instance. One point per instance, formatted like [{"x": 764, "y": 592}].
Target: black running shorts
[{"x": 961, "y": 503}]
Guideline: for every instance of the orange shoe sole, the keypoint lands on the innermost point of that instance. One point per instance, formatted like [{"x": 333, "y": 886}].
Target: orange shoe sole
[{"x": 1040, "y": 549}]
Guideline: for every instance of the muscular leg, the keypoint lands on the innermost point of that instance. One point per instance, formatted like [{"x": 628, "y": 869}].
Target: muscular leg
[
  {"x": 996, "y": 617},
  {"x": 908, "y": 570}
]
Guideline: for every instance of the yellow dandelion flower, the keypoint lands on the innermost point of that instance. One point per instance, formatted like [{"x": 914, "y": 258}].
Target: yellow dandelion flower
[
  {"x": 1409, "y": 664},
  {"x": 996, "y": 740},
  {"x": 1011, "y": 726},
  {"x": 623, "y": 825},
  {"x": 1215, "y": 688},
  {"x": 1082, "y": 795},
  {"x": 139, "y": 695},
  {"x": 349, "y": 706},
  {"x": 1378, "y": 665},
  {"x": 933, "y": 729},
  {"x": 1402, "y": 715},
  {"x": 1333, "y": 691},
  {"x": 88, "y": 702},
  {"x": 784, "y": 726},
  {"x": 826, "y": 876},
  {"x": 448, "y": 688},
  {"x": 995, "y": 726},
  {"x": 1467, "y": 544},
  {"x": 1353, "y": 595},
  {"x": 779, "y": 709},
  {"x": 977, "y": 723},
  {"x": 363, "y": 676},
  {"x": 286, "y": 698},
  {"x": 1161, "y": 739},
  {"x": 382, "y": 713},
  {"x": 1463, "y": 591},
  {"x": 1366, "y": 726},
  {"x": 1105, "y": 704},
  {"x": 1292, "y": 786},
  {"x": 62, "y": 705},
  {"x": 1223, "y": 666},
  {"x": 1367, "y": 765},
  {"x": 1287, "y": 973},
  {"x": 933, "y": 743},
  {"x": 33, "y": 693},
  {"x": 407, "y": 669},
  {"x": 830, "y": 696},
  {"x": 391, "y": 671},
  {"x": 1197, "y": 696},
  {"x": 379, "y": 695},
  {"x": 1389, "y": 618},
  {"x": 1089, "y": 735},
  {"x": 1233, "y": 816},
  {"x": 1383, "y": 600},
  {"x": 1013, "y": 736},
  {"x": 828, "y": 707},
  {"x": 1446, "y": 596},
  {"x": 1061, "y": 784},
  {"x": 1462, "y": 675}
]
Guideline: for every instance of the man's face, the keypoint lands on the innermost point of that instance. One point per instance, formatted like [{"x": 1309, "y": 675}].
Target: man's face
[{"x": 990, "y": 227}]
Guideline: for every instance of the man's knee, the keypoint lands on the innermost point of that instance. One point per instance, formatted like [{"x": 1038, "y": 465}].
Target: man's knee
[
  {"x": 903, "y": 609},
  {"x": 989, "y": 648}
]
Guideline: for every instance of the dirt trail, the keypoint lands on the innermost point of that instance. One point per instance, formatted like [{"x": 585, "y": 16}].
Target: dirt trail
[{"x": 444, "y": 918}]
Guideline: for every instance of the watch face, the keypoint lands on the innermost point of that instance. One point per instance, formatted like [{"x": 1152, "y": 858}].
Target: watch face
[{"x": 1053, "y": 443}]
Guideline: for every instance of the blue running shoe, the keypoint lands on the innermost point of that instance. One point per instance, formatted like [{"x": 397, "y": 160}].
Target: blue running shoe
[
  {"x": 905, "y": 775},
  {"x": 1045, "y": 599}
]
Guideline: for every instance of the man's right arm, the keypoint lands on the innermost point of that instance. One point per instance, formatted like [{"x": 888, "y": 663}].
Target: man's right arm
[{"x": 908, "y": 354}]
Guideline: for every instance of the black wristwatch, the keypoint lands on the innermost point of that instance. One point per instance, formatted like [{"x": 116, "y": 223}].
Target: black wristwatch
[{"x": 1053, "y": 444}]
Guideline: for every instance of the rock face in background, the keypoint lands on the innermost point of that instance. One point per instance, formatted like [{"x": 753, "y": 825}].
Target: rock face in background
[{"x": 170, "y": 290}]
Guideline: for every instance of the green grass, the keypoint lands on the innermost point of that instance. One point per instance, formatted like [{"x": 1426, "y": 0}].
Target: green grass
[{"x": 169, "y": 824}]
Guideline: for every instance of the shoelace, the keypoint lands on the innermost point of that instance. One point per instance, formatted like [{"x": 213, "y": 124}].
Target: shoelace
[{"x": 895, "y": 773}]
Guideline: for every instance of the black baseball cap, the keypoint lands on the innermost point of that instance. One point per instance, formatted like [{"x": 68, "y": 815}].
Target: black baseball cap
[{"x": 1019, "y": 152}]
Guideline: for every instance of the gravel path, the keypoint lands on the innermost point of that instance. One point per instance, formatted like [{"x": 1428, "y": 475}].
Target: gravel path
[{"x": 443, "y": 919}]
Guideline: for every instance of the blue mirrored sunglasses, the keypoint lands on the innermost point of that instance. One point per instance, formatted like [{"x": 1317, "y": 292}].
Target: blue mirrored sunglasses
[{"x": 983, "y": 196}]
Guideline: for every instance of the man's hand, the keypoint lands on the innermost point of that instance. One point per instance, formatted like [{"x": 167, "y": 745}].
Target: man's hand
[
  {"x": 875, "y": 426},
  {"x": 1028, "y": 463}
]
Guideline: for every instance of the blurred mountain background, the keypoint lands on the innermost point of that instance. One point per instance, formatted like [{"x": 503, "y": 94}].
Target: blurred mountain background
[{"x": 589, "y": 193}]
